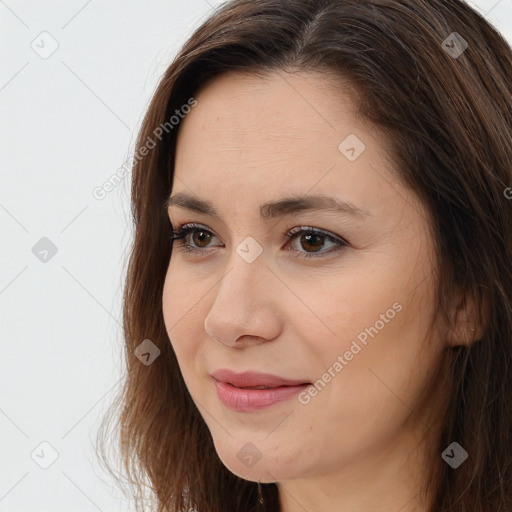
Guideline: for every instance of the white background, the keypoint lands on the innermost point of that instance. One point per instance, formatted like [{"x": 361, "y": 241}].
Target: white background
[{"x": 68, "y": 122}]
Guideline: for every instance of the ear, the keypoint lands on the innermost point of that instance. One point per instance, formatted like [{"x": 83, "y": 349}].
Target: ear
[{"x": 469, "y": 323}]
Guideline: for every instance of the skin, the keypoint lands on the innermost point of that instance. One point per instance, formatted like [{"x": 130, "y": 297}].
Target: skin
[{"x": 365, "y": 440}]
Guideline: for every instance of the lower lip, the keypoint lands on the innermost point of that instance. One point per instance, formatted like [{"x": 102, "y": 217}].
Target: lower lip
[{"x": 243, "y": 400}]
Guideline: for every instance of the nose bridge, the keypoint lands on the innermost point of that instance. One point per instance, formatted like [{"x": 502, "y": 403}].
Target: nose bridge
[
  {"x": 241, "y": 279},
  {"x": 240, "y": 304}
]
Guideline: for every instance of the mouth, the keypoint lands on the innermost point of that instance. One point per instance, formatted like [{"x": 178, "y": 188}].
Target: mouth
[
  {"x": 251, "y": 387},
  {"x": 254, "y": 380},
  {"x": 250, "y": 391}
]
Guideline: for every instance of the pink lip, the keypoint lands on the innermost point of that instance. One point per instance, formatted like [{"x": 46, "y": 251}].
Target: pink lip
[
  {"x": 231, "y": 393},
  {"x": 251, "y": 378}
]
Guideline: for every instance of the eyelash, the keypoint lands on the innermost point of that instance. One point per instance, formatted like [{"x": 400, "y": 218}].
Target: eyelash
[{"x": 184, "y": 229}]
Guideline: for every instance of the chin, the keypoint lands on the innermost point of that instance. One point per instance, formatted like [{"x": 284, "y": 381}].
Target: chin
[
  {"x": 251, "y": 475},
  {"x": 254, "y": 466},
  {"x": 255, "y": 474}
]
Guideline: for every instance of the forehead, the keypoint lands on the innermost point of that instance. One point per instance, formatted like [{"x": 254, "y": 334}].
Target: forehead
[
  {"x": 287, "y": 126},
  {"x": 240, "y": 109},
  {"x": 251, "y": 140}
]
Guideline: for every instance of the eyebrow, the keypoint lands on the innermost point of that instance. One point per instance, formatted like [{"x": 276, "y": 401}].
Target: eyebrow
[{"x": 280, "y": 208}]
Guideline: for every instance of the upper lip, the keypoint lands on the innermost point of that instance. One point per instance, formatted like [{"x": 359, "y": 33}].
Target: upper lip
[{"x": 252, "y": 378}]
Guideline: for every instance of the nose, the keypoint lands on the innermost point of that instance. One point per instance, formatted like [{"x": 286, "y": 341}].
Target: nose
[{"x": 245, "y": 310}]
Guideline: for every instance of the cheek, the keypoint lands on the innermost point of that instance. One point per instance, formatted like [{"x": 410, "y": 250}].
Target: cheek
[
  {"x": 380, "y": 331},
  {"x": 346, "y": 309},
  {"x": 171, "y": 305},
  {"x": 180, "y": 293},
  {"x": 178, "y": 314}
]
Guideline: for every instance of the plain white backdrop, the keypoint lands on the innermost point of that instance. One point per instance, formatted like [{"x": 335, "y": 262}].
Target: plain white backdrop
[{"x": 75, "y": 79}]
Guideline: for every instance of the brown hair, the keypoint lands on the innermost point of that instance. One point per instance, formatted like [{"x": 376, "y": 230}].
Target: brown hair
[{"x": 448, "y": 119}]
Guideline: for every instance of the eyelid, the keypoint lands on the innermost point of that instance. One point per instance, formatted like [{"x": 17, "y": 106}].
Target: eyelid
[
  {"x": 191, "y": 226},
  {"x": 290, "y": 233},
  {"x": 182, "y": 230},
  {"x": 299, "y": 229}
]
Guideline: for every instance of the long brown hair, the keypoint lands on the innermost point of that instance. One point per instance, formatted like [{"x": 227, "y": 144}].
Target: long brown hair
[{"x": 436, "y": 78}]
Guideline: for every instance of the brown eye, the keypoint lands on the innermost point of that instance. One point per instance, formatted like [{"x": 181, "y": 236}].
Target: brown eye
[
  {"x": 312, "y": 242},
  {"x": 193, "y": 238},
  {"x": 200, "y": 237}
]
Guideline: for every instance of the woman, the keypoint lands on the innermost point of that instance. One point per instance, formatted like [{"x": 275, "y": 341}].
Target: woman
[{"x": 318, "y": 304}]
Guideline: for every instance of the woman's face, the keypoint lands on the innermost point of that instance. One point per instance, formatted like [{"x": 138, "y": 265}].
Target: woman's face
[{"x": 349, "y": 318}]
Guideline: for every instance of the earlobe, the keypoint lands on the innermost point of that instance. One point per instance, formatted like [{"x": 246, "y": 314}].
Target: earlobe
[{"x": 469, "y": 324}]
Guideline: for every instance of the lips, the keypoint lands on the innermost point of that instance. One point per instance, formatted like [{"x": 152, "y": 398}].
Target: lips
[
  {"x": 254, "y": 380},
  {"x": 252, "y": 391}
]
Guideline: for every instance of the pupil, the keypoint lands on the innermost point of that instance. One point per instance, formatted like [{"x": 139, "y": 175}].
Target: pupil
[
  {"x": 202, "y": 233},
  {"x": 309, "y": 237}
]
